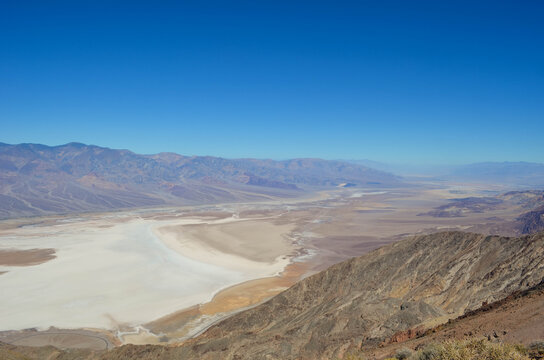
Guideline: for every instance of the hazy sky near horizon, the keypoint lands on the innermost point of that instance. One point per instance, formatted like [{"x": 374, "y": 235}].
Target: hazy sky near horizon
[{"x": 393, "y": 81}]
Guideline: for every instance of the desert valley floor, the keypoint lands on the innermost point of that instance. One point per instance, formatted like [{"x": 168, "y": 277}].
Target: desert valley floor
[{"x": 98, "y": 280}]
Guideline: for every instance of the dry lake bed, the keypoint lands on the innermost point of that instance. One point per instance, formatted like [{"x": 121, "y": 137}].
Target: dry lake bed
[{"x": 164, "y": 275}]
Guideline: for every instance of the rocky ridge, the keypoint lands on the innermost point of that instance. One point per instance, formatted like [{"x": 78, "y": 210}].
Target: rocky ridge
[
  {"x": 420, "y": 281},
  {"x": 39, "y": 180},
  {"x": 416, "y": 283}
]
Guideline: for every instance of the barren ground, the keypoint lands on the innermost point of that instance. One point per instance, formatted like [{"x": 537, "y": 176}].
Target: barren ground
[{"x": 262, "y": 248}]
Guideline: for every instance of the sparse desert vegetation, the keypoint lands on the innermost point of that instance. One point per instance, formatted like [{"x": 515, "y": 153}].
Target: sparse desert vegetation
[
  {"x": 473, "y": 349},
  {"x": 476, "y": 349}
]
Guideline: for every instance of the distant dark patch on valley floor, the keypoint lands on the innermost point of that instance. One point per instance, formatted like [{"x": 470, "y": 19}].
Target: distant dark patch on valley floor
[{"x": 26, "y": 257}]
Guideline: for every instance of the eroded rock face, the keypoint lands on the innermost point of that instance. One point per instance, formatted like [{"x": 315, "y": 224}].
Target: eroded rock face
[
  {"x": 516, "y": 319},
  {"x": 423, "y": 280},
  {"x": 412, "y": 284}
]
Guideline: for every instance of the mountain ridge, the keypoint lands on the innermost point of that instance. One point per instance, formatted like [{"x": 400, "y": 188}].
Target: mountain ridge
[
  {"x": 365, "y": 302},
  {"x": 518, "y": 174},
  {"x": 422, "y": 281},
  {"x": 38, "y": 179}
]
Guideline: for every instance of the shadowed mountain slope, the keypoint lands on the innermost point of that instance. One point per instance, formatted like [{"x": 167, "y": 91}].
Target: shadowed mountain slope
[
  {"x": 532, "y": 221},
  {"x": 37, "y": 179}
]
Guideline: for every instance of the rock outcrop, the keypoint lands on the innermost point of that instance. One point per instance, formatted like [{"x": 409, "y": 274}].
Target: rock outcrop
[
  {"x": 423, "y": 280},
  {"x": 516, "y": 319},
  {"x": 532, "y": 221},
  {"x": 361, "y": 303}
]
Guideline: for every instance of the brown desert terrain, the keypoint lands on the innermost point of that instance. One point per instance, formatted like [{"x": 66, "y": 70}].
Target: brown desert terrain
[
  {"x": 26, "y": 257},
  {"x": 516, "y": 319},
  {"x": 306, "y": 235}
]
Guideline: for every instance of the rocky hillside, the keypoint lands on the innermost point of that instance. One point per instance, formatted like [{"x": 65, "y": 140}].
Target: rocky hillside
[
  {"x": 37, "y": 179},
  {"x": 523, "y": 201},
  {"x": 421, "y": 281},
  {"x": 532, "y": 221},
  {"x": 516, "y": 319},
  {"x": 361, "y": 303}
]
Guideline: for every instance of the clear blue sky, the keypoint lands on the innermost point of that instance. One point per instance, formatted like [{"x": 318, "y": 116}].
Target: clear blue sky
[{"x": 395, "y": 81}]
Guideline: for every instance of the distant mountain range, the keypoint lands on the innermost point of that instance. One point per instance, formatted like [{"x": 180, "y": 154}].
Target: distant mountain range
[
  {"x": 519, "y": 174},
  {"x": 38, "y": 179}
]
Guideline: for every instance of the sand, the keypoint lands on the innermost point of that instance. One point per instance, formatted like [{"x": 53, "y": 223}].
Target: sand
[
  {"x": 243, "y": 245},
  {"x": 30, "y": 257}
]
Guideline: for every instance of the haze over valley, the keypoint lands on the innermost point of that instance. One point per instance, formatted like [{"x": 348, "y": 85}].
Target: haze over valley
[
  {"x": 272, "y": 180},
  {"x": 38, "y": 179},
  {"x": 165, "y": 271}
]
